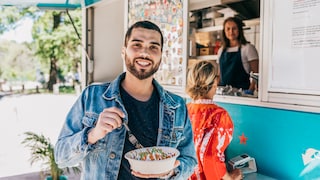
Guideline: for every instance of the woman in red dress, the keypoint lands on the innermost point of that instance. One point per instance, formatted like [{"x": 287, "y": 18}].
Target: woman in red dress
[{"x": 211, "y": 124}]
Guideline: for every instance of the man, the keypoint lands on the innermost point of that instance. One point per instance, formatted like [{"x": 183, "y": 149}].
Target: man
[{"x": 94, "y": 134}]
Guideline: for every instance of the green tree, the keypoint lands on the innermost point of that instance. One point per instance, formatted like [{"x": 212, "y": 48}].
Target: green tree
[
  {"x": 17, "y": 61},
  {"x": 57, "y": 43},
  {"x": 10, "y": 16}
]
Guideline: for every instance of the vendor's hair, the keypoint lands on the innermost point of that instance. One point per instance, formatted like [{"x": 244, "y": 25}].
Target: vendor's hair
[
  {"x": 142, "y": 24},
  {"x": 200, "y": 79},
  {"x": 241, "y": 38}
]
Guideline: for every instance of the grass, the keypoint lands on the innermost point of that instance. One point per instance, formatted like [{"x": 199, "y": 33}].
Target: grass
[
  {"x": 62, "y": 90},
  {"x": 67, "y": 90}
]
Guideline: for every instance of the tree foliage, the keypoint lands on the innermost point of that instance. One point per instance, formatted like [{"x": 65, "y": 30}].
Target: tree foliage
[
  {"x": 55, "y": 42},
  {"x": 10, "y": 16},
  {"x": 17, "y": 61},
  {"x": 58, "y": 41}
]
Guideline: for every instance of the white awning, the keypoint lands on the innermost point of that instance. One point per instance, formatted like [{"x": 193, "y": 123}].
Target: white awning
[{"x": 55, "y": 4}]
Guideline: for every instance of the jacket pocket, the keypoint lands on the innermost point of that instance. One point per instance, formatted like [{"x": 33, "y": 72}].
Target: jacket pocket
[
  {"x": 172, "y": 137},
  {"x": 90, "y": 119},
  {"x": 177, "y": 135}
]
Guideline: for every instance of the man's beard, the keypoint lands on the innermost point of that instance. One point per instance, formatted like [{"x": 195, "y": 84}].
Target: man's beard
[{"x": 142, "y": 74}]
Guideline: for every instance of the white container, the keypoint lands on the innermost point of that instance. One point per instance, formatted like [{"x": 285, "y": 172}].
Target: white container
[{"x": 152, "y": 166}]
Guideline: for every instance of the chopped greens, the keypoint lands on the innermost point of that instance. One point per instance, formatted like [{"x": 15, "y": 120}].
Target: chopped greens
[{"x": 154, "y": 154}]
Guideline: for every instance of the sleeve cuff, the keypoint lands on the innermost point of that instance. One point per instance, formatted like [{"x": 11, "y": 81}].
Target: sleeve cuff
[
  {"x": 85, "y": 146},
  {"x": 174, "y": 175}
]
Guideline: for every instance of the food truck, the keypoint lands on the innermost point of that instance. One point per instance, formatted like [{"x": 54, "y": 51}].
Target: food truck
[{"x": 279, "y": 125}]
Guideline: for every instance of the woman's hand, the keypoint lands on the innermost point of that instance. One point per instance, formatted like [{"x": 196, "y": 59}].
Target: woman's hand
[{"x": 236, "y": 174}]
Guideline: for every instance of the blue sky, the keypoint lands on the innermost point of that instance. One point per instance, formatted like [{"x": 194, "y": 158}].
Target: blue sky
[{"x": 22, "y": 33}]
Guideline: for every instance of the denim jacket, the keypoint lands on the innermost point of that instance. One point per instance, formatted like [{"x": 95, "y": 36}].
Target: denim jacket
[{"x": 102, "y": 159}]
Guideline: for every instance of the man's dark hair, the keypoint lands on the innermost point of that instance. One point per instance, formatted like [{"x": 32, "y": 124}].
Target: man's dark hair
[{"x": 142, "y": 24}]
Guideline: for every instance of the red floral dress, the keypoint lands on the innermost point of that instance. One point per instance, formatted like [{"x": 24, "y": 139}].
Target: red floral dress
[{"x": 212, "y": 128}]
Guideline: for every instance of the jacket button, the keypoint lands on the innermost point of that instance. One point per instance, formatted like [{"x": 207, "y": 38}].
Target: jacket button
[{"x": 112, "y": 155}]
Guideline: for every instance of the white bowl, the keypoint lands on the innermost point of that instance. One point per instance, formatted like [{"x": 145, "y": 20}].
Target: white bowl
[{"x": 152, "y": 166}]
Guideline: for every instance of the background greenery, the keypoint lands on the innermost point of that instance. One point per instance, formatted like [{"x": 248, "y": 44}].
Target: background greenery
[{"x": 55, "y": 49}]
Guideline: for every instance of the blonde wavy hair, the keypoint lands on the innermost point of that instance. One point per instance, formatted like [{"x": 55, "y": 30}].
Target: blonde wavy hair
[{"x": 200, "y": 79}]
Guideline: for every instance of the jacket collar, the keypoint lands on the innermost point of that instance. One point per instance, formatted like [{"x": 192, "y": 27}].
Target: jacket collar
[{"x": 113, "y": 92}]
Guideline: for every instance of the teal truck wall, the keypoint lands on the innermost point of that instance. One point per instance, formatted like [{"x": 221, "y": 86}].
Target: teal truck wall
[{"x": 277, "y": 139}]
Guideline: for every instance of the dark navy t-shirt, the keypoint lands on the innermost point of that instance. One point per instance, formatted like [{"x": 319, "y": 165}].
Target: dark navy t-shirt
[{"x": 143, "y": 121}]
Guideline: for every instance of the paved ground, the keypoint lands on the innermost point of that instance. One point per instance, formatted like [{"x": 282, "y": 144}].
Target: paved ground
[
  {"x": 40, "y": 113},
  {"x": 35, "y": 176}
]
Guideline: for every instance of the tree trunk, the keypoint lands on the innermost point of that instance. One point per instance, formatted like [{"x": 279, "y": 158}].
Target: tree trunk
[
  {"x": 53, "y": 74},
  {"x": 53, "y": 61}
]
